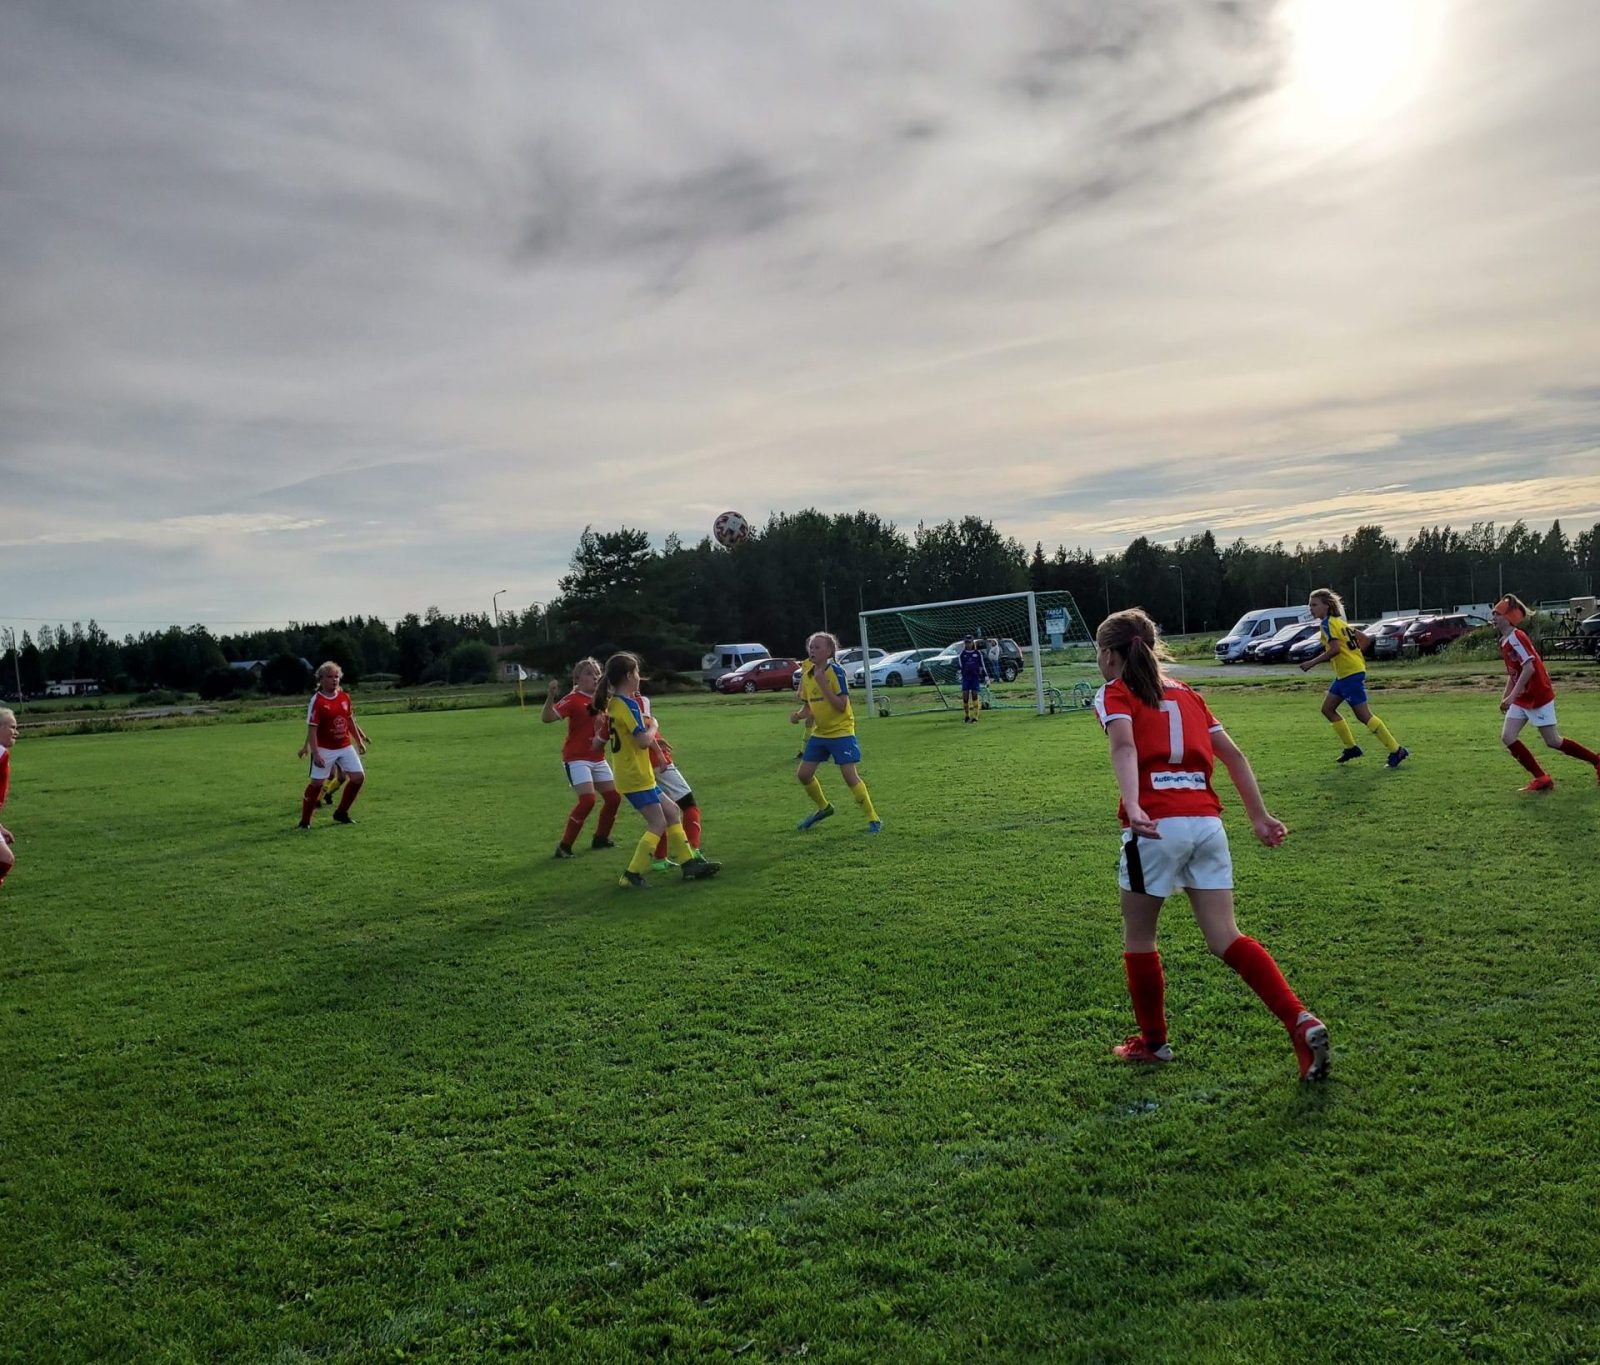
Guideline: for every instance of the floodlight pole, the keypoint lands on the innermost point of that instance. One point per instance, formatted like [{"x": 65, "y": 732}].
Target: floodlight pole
[
  {"x": 494, "y": 606},
  {"x": 1183, "y": 602}
]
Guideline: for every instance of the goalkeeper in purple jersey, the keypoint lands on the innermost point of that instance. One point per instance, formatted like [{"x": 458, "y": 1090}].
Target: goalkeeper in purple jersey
[{"x": 970, "y": 662}]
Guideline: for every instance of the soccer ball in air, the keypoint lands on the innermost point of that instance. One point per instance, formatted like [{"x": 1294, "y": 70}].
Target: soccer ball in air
[{"x": 730, "y": 528}]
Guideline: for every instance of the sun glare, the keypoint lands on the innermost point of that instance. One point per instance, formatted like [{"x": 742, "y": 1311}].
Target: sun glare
[{"x": 1356, "y": 63}]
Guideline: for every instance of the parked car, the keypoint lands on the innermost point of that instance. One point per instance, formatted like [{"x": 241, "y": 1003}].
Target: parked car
[
  {"x": 759, "y": 675},
  {"x": 1257, "y": 625},
  {"x": 723, "y": 659},
  {"x": 1387, "y": 635},
  {"x": 943, "y": 666},
  {"x": 893, "y": 670},
  {"x": 1274, "y": 648},
  {"x": 1430, "y": 634}
]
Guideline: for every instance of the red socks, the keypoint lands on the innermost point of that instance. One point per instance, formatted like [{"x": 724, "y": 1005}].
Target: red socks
[
  {"x": 1572, "y": 749},
  {"x": 609, "y": 801},
  {"x": 1254, "y": 963},
  {"x": 691, "y": 831},
  {"x": 1524, "y": 755},
  {"x": 347, "y": 798},
  {"x": 1147, "y": 987},
  {"x": 575, "y": 819},
  {"x": 308, "y": 802}
]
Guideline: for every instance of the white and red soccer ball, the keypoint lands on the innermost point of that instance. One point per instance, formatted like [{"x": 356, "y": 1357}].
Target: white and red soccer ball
[{"x": 730, "y": 529}]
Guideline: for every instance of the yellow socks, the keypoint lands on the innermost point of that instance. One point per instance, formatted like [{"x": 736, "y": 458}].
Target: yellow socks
[
  {"x": 1341, "y": 727},
  {"x": 1382, "y": 732},
  {"x": 678, "y": 843},
  {"x": 859, "y": 791},
  {"x": 814, "y": 791},
  {"x": 644, "y": 854}
]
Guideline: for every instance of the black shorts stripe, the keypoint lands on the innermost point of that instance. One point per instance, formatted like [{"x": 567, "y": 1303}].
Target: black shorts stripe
[{"x": 1135, "y": 864}]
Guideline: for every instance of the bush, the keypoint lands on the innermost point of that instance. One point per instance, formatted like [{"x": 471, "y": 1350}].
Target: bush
[
  {"x": 160, "y": 696},
  {"x": 472, "y": 661}
]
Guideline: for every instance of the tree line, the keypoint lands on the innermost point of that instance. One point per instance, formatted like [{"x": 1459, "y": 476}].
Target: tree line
[{"x": 808, "y": 570}]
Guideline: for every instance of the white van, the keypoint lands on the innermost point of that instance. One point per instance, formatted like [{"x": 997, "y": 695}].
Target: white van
[
  {"x": 725, "y": 658},
  {"x": 1257, "y": 625}
]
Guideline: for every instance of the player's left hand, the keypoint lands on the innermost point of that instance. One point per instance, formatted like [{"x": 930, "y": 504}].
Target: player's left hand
[
  {"x": 1270, "y": 830},
  {"x": 1141, "y": 824}
]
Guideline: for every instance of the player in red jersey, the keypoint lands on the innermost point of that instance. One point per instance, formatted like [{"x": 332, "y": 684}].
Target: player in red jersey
[
  {"x": 583, "y": 755},
  {"x": 675, "y": 785},
  {"x": 1164, "y": 743},
  {"x": 1529, "y": 698},
  {"x": 8, "y": 739},
  {"x": 333, "y": 740}
]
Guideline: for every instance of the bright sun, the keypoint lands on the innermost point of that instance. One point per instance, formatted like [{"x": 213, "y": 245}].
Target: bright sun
[{"x": 1355, "y": 63}]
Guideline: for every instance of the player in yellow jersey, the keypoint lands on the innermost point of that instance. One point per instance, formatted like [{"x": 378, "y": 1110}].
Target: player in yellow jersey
[
  {"x": 825, "y": 700},
  {"x": 633, "y": 735},
  {"x": 1342, "y": 644}
]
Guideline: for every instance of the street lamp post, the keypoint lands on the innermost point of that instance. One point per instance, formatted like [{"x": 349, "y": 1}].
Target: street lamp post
[
  {"x": 1183, "y": 602},
  {"x": 494, "y": 606}
]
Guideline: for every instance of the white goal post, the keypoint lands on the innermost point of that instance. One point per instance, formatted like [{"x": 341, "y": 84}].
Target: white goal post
[{"x": 1034, "y": 621}]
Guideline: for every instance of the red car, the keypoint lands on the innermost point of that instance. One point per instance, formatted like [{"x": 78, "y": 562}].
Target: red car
[
  {"x": 1432, "y": 633},
  {"x": 759, "y": 675}
]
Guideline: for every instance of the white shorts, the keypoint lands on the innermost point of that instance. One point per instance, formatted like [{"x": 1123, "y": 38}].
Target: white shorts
[
  {"x": 671, "y": 781},
  {"x": 581, "y": 770},
  {"x": 1537, "y": 716},
  {"x": 1191, "y": 852},
  {"x": 324, "y": 761}
]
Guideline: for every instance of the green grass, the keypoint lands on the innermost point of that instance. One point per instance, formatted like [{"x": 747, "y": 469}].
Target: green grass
[{"x": 412, "y": 1090}]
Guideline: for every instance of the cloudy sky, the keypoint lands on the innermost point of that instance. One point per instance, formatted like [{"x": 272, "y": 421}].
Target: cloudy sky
[{"x": 316, "y": 308}]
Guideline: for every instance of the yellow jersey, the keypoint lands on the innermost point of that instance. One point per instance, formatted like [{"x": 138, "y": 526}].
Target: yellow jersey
[
  {"x": 1347, "y": 657},
  {"x": 829, "y": 724},
  {"x": 630, "y": 764}
]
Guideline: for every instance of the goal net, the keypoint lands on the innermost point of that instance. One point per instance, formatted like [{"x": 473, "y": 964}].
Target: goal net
[{"x": 1037, "y": 648}]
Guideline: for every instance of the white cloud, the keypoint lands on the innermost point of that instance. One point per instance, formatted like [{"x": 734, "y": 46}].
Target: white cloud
[{"x": 362, "y": 322}]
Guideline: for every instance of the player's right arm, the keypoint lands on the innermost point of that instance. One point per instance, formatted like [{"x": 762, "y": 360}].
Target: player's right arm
[
  {"x": 1515, "y": 685},
  {"x": 310, "y": 746},
  {"x": 549, "y": 715}
]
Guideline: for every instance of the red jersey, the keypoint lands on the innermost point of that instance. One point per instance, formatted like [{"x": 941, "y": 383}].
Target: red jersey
[
  {"x": 1516, "y": 649},
  {"x": 661, "y": 752},
  {"x": 583, "y": 726},
  {"x": 331, "y": 716},
  {"x": 1173, "y": 741},
  {"x": 5, "y": 774}
]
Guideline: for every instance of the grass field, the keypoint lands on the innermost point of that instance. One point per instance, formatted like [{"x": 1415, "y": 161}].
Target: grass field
[{"x": 412, "y": 1090}]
